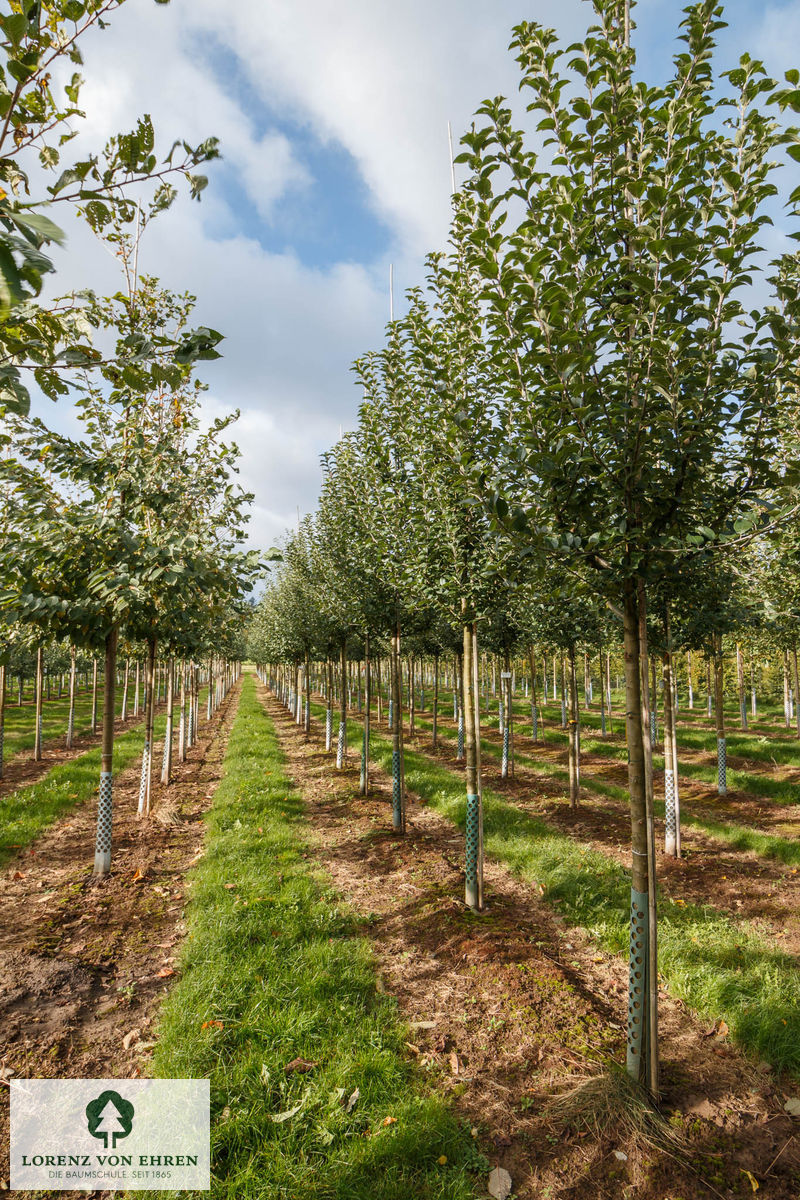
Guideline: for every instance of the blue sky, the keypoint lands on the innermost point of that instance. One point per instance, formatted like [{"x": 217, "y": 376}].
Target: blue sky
[{"x": 333, "y": 125}]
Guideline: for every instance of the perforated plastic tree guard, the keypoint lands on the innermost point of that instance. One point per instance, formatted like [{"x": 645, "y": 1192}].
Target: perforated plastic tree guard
[
  {"x": 102, "y": 850},
  {"x": 637, "y": 982},
  {"x": 473, "y": 837},
  {"x": 670, "y": 815},
  {"x": 722, "y": 767},
  {"x": 397, "y": 799}
]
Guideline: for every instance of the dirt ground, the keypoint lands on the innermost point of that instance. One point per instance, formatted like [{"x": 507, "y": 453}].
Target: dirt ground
[
  {"x": 508, "y": 1009},
  {"x": 84, "y": 964}
]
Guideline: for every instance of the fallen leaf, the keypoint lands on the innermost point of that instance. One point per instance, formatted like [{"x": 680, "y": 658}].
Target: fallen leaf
[
  {"x": 290, "y": 1112},
  {"x": 164, "y": 973},
  {"x": 792, "y": 1107},
  {"x": 414, "y": 1049},
  {"x": 352, "y": 1100},
  {"x": 136, "y": 876},
  {"x": 621, "y": 1155},
  {"x": 442, "y": 1159},
  {"x": 230, "y": 886},
  {"x": 388, "y": 1121},
  {"x": 500, "y": 1184},
  {"x": 301, "y": 1065},
  {"x": 454, "y": 1064},
  {"x": 130, "y": 1037},
  {"x": 754, "y": 1184},
  {"x": 212, "y": 1025},
  {"x": 18, "y": 875}
]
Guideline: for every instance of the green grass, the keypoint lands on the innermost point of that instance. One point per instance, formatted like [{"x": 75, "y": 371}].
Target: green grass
[
  {"x": 738, "y": 837},
  {"x": 25, "y": 812},
  {"x": 279, "y": 962},
  {"x": 20, "y": 723},
  {"x": 721, "y": 968}
]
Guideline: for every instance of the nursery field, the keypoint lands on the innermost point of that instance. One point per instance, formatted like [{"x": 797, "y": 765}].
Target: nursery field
[{"x": 361, "y": 1028}]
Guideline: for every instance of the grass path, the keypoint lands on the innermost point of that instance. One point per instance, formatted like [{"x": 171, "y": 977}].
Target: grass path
[{"x": 273, "y": 970}]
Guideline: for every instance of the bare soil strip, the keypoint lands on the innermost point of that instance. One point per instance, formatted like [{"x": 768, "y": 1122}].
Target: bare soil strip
[{"x": 84, "y": 964}]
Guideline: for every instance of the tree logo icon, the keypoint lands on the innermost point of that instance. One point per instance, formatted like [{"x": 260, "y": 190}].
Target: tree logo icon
[{"x": 109, "y": 1116}]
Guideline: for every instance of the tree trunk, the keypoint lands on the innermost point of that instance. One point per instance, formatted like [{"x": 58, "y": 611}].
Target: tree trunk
[
  {"x": 71, "y": 713},
  {"x": 136, "y": 690},
  {"x": 364, "y": 781},
  {"x": 329, "y": 708},
  {"x": 182, "y": 726},
  {"x": 411, "y": 698},
  {"x": 574, "y": 734},
  {"x": 398, "y": 773},
  {"x": 601, "y": 665},
  {"x": 37, "y": 745},
  {"x": 672, "y": 808},
  {"x": 435, "y": 700},
  {"x": 473, "y": 889},
  {"x": 2, "y": 713},
  {"x": 640, "y": 1053},
  {"x": 166, "y": 764},
  {"x": 341, "y": 746},
  {"x": 147, "y": 754},
  {"x": 740, "y": 681},
  {"x": 719, "y": 705},
  {"x": 535, "y": 718},
  {"x": 105, "y": 806},
  {"x": 124, "y": 712}
]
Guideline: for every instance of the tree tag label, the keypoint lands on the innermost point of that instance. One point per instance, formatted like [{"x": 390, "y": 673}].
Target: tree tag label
[{"x": 110, "y": 1134}]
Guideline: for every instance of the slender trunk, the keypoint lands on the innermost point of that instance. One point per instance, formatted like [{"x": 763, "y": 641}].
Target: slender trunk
[
  {"x": 672, "y": 808},
  {"x": 458, "y": 695},
  {"x": 535, "y": 716},
  {"x": 210, "y": 699},
  {"x": 364, "y": 782},
  {"x": 341, "y": 746},
  {"x": 124, "y": 712},
  {"x": 182, "y": 730},
  {"x": 796, "y": 688},
  {"x": 2, "y": 713},
  {"x": 398, "y": 779},
  {"x": 719, "y": 702},
  {"x": 638, "y": 1054},
  {"x": 574, "y": 733},
  {"x": 37, "y": 745},
  {"x": 601, "y": 665},
  {"x": 563, "y": 692},
  {"x": 105, "y": 807},
  {"x": 435, "y": 700},
  {"x": 473, "y": 889},
  {"x": 147, "y": 754},
  {"x": 411, "y": 698},
  {"x": 71, "y": 712},
  {"x": 740, "y": 681},
  {"x": 378, "y": 685},
  {"x": 689, "y": 677},
  {"x": 307, "y": 705},
  {"x": 166, "y": 765},
  {"x": 136, "y": 690},
  {"x": 329, "y": 709}
]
